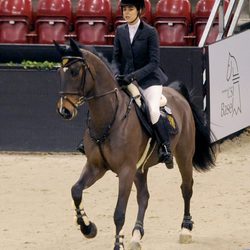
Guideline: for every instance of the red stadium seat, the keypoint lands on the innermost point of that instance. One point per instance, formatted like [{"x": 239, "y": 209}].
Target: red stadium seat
[
  {"x": 92, "y": 21},
  {"x": 202, "y": 12},
  {"x": 118, "y": 19},
  {"x": 53, "y": 19},
  {"x": 172, "y": 20},
  {"x": 15, "y": 20},
  {"x": 146, "y": 16}
]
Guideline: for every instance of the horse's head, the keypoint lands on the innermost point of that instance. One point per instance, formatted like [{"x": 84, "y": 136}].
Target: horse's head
[
  {"x": 74, "y": 73},
  {"x": 232, "y": 67}
]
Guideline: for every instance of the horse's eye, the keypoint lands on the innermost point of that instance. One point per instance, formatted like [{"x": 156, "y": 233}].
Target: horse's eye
[{"x": 74, "y": 72}]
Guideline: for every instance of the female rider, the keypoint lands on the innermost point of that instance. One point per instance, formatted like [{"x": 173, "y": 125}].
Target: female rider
[{"x": 136, "y": 57}]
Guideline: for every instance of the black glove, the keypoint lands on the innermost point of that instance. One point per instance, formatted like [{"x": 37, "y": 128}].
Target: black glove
[
  {"x": 128, "y": 79},
  {"x": 124, "y": 79},
  {"x": 119, "y": 79}
]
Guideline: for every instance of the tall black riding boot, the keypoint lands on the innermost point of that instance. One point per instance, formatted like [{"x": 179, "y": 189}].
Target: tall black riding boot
[
  {"x": 80, "y": 147},
  {"x": 162, "y": 137}
]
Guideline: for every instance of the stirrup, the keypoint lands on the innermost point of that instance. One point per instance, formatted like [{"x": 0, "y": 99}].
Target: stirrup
[
  {"x": 166, "y": 156},
  {"x": 80, "y": 148}
]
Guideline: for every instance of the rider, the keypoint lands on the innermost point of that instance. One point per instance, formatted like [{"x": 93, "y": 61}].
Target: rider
[{"x": 136, "y": 57}]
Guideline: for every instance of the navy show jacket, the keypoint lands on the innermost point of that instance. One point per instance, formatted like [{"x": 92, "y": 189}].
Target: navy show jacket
[{"x": 139, "y": 59}]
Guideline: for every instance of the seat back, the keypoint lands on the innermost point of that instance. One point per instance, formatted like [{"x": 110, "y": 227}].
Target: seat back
[
  {"x": 172, "y": 20},
  {"x": 92, "y": 21},
  {"x": 175, "y": 9},
  {"x": 146, "y": 15},
  {"x": 16, "y": 8},
  {"x": 94, "y": 9},
  {"x": 53, "y": 19},
  {"x": 54, "y": 9},
  {"x": 15, "y": 20},
  {"x": 49, "y": 31},
  {"x": 202, "y": 12}
]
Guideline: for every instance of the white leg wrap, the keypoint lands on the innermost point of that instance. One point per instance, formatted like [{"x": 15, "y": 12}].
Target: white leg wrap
[
  {"x": 185, "y": 236},
  {"x": 120, "y": 240},
  {"x": 82, "y": 213},
  {"x": 136, "y": 236}
]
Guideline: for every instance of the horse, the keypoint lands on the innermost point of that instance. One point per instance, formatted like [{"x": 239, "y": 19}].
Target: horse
[{"x": 115, "y": 140}]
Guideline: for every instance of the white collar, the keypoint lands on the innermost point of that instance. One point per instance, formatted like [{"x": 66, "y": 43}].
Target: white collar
[
  {"x": 134, "y": 26},
  {"x": 133, "y": 29}
]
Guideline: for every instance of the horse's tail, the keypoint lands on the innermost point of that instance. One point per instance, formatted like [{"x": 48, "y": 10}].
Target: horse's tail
[{"x": 204, "y": 156}]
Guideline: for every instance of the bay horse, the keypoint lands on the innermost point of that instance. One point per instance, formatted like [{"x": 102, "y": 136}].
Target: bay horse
[{"x": 115, "y": 140}]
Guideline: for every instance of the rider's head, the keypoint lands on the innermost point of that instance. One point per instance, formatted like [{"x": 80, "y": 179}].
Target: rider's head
[{"x": 132, "y": 9}]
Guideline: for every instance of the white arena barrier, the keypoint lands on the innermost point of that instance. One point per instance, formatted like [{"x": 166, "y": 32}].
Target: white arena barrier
[{"x": 229, "y": 81}]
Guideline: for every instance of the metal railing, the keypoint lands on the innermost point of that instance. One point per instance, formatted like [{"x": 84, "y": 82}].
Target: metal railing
[{"x": 227, "y": 22}]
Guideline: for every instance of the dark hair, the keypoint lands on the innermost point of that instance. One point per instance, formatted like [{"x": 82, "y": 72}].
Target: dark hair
[{"x": 139, "y": 4}]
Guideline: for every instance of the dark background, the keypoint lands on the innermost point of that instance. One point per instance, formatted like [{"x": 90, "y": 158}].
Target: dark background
[{"x": 28, "y": 118}]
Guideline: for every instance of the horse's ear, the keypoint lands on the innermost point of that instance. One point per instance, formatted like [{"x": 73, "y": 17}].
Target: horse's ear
[
  {"x": 75, "y": 48},
  {"x": 59, "y": 48}
]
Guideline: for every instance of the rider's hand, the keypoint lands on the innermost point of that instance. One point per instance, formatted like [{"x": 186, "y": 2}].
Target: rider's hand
[
  {"x": 120, "y": 79},
  {"x": 128, "y": 79}
]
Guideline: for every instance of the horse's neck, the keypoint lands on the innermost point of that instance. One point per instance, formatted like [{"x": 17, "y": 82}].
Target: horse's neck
[{"x": 102, "y": 109}]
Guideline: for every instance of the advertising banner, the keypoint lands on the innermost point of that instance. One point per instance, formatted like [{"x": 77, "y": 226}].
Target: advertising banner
[{"x": 229, "y": 81}]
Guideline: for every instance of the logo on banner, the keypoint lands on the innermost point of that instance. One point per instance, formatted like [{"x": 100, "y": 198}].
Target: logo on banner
[{"x": 232, "y": 99}]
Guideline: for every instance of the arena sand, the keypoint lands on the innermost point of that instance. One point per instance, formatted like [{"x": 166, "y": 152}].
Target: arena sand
[{"x": 36, "y": 211}]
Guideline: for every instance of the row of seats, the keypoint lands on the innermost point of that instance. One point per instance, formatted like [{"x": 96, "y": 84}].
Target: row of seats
[{"x": 93, "y": 22}]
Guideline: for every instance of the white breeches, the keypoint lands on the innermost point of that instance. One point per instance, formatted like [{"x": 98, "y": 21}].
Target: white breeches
[{"x": 153, "y": 96}]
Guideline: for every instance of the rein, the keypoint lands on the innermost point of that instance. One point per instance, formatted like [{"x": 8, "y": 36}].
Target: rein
[
  {"x": 106, "y": 132},
  {"x": 87, "y": 99}
]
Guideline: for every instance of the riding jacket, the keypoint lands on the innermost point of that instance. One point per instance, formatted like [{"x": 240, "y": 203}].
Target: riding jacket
[{"x": 139, "y": 59}]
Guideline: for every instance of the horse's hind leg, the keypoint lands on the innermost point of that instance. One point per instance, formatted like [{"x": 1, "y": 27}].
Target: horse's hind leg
[
  {"x": 186, "y": 170},
  {"x": 90, "y": 174},
  {"x": 142, "y": 200}
]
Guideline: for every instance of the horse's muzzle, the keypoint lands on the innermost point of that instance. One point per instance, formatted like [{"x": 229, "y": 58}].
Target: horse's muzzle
[{"x": 65, "y": 113}]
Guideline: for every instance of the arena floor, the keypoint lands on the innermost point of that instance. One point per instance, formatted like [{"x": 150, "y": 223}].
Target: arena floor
[{"x": 36, "y": 211}]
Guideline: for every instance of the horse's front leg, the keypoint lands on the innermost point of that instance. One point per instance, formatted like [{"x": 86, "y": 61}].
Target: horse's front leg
[
  {"x": 126, "y": 178},
  {"x": 142, "y": 200},
  {"x": 90, "y": 174}
]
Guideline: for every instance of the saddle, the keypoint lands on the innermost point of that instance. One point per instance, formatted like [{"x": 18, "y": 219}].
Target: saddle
[{"x": 143, "y": 113}]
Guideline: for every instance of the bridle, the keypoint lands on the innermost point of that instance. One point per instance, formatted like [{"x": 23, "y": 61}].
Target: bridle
[{"x": 68, "y": 61}]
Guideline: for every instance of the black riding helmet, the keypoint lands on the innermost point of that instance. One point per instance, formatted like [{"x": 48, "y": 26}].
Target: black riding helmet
[{"x": 139, "y": 4}]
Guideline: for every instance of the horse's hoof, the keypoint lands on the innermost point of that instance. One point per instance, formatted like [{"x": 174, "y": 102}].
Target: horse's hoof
[
  {"x": 134, "y": 245},
  {"x": 119, "y": 247},
  {"x": 89, "y": 231},
  {"x": 185, "y": 236}
]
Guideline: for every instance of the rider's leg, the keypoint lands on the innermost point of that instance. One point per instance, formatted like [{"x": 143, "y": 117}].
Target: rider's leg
[
  {"x": 153, "y": 96},
  {"x": 163, "y": 139}
]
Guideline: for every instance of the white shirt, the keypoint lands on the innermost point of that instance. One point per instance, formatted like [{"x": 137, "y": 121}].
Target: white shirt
[{"x": 132, "y": 30}]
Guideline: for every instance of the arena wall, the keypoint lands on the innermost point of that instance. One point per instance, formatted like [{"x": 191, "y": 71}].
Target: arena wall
[{"x": 29, "y": 121}]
